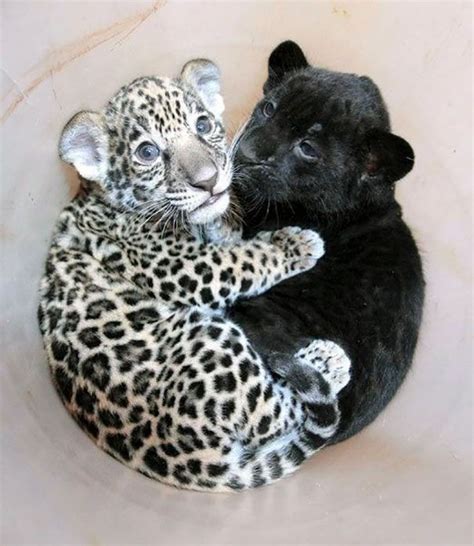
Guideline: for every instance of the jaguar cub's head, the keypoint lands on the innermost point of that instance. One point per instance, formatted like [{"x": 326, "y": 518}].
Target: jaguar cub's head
[
  {"x": 318, "y": 142},
  {"x": 159, "y": 145}
]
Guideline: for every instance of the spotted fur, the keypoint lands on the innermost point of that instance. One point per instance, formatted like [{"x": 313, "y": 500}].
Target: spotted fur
[{"x": 131, "y": 309}]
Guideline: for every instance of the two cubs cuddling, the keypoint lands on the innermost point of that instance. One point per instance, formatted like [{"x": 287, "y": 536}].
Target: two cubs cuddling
[{"x": 215, "y": 356}]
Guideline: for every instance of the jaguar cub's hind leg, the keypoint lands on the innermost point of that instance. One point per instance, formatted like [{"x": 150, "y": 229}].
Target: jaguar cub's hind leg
[
  {"x": 317, "y": 372},
  {"x": 330, "y": 360}
]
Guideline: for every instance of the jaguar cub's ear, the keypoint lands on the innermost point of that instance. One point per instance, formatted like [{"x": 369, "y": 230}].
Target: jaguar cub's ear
[
  {"x": 205, "y": 78},
  {"x": 285, "y": 58},
  {"x": 83, "y": 144},
  {"x": 386, "y": 155}
]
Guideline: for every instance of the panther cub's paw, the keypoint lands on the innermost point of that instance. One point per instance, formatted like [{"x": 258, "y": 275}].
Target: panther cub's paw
[
  {"x": 330, "y": 360},
  {"x": 302, "y": 247}
]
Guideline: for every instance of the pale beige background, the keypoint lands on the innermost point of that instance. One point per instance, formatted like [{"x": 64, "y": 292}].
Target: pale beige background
[{"x": 408, "y": 477}]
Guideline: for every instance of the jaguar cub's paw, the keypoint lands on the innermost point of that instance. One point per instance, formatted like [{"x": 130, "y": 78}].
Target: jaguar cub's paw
[
  {"x": 302, "y": 247},
  {"x": 330, "y": 360}
]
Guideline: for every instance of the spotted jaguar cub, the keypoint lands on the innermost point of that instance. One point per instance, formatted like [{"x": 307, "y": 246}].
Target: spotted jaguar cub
[{"x": 131, "y": 301}]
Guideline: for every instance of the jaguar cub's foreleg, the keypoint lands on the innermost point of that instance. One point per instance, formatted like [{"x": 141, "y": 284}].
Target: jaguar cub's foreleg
[{"x": 215, "y": 276}]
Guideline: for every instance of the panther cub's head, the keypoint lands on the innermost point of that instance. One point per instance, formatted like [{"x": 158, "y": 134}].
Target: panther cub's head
[
  {"x": 159, "y": 145},
  {"x": 318, "y": 142}
]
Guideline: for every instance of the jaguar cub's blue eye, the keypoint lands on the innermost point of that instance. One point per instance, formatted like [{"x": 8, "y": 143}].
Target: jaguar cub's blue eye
[
  {"x": 268, "y": 109},
  {"x": 203, "y": 125},
  {"x": 147, "y": 152},
  {"x": 308, "y": 150}
]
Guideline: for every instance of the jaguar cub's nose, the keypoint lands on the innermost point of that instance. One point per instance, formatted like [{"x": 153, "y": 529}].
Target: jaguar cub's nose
[{"x": 205, "y": 178}]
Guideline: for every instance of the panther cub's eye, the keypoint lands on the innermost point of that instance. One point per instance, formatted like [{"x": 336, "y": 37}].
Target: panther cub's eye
[
  {"x": 147, "y": 152},
  {"x": 268, "y": 109},
  {"x": 203, "y": 125},
  {"x": 308, "y": 150}
]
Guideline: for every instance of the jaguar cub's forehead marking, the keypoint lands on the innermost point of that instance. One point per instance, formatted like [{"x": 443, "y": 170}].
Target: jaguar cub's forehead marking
[{"x": 152, "y": 105}]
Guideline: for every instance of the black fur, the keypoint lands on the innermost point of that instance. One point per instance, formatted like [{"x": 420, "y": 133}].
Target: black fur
[{"x": 367, "y": 292}]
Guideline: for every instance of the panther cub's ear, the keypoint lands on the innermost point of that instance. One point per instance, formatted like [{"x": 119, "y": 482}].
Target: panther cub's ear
[
  {"x": 83, "y": 144},
  {"x": 204, "y": 77},
  {"x": 386, "y": 155},
  {"x": 285, "y": 58}
]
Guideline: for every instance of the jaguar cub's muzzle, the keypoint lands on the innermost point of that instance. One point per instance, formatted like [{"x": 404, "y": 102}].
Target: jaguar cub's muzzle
[{"x": 203, "y": 192}]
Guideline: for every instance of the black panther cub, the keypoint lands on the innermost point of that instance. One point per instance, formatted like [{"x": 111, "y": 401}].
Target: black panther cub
[{"x": 317, "y": 152}]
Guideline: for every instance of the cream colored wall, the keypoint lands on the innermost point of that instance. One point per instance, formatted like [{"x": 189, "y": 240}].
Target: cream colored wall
[{"x": 407, "y": 478}]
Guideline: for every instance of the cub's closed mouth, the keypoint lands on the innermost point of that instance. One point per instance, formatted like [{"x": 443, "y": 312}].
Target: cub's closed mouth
[{"x": 213, "y": 199}]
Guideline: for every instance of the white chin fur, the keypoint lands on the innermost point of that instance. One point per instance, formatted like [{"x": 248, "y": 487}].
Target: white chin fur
[{"x": 206, "y": 214}]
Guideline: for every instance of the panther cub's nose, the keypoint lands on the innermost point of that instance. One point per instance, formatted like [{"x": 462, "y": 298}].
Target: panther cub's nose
[{"x": 205, "y": 177}]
